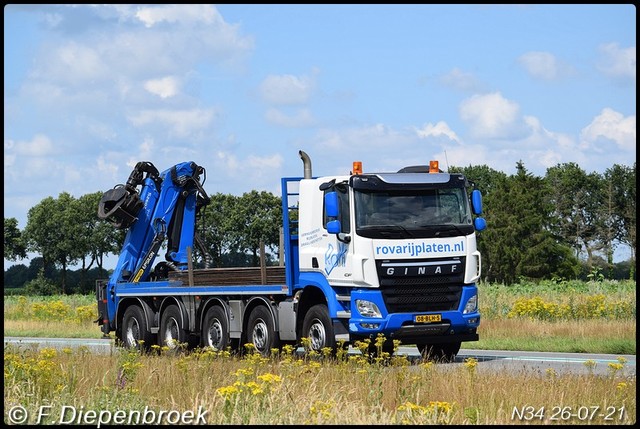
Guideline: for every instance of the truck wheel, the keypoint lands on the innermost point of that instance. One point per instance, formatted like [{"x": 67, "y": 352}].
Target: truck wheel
[
  {"x": 135, "y": 332},
  {"x": 261, "y": 330},
  {"x": 215, "y": 329},
  {"x": 443, "y": 352},
  {"x": 317, "y": 327},
  {"x": 171, "y": 334}
]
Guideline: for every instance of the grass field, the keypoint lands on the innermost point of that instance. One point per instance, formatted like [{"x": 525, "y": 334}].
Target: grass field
[
  {"x": 589, "y": 317},
  {"x": 50, "y": 386},
  {"x": 224, "y": 389}
]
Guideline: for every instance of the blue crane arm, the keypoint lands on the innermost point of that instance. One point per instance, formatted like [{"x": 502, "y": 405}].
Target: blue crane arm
[{"x": 164, "y": 207}]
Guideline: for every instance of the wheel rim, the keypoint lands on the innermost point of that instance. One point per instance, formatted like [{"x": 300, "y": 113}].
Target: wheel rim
[
  {"x": 171, "y": 338},
  {"x": 260, "y": 335},
  {"x": 132, "y": 333},
  {"x": 317, "y": 335},
  {"x": 214, "y": 334}
]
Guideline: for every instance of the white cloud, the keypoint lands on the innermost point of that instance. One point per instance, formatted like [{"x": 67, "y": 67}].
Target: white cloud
[
  {"x": 438, "y": 130},
  {"x": 106, "y": 168},
  {"x": 147, "y": 149},
  {"x": 544, "y": 65},
  {"x": 78, "y": 62},
  {"x": 106, "y": 53},
  {"x": 164, "y": 87},
  {"x": 618, "y": 63},
  {"x": 460, "y": 80},
  {"x": 613, "y": 126},
  {"x": 178, "y": 13},
  {"x": 39, "y": 146},
  {"x": 492, "y": 116},
  {"x": 377, "y": 136},
  {"x": 181, "y": 123},
  {"x": 544, "y": 148},
  {"x": 465, "y": 155},
  {"x": 269, "y": 162},
  {"x": 287, "y": 89},
  {"x": 228, "y": 160},
  {"x": 70, "y": 64},
  {"x": 9, "y": 156},
  {"x": 251, "y": 172},
  {"x": 301, "y": 118}
]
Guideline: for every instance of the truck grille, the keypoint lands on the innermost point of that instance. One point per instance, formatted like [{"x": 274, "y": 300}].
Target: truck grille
[
  {"x": 408, "y": 288},
  {"x": 412, "y": 299}
]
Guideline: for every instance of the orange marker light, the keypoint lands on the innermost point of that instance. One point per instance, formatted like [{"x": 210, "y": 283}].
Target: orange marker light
[
  {"x": 433, "y": 167},
  {"x": 357, "y": 167}
]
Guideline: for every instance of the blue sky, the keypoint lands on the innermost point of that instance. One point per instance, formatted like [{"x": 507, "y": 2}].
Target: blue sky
[{"x": 91, "y": 90}]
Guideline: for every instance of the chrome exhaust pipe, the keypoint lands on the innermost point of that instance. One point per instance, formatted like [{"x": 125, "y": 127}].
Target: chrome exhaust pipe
[{"x": 307, "y": 164}]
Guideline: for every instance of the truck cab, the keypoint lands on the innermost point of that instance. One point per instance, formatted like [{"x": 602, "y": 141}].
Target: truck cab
[{"x": 398, "y": 251}]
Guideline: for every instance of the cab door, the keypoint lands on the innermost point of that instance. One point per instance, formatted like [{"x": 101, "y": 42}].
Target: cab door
[{"x": 338, "y": 247}]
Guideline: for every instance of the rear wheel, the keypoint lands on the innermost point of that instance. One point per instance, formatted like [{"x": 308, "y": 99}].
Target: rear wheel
[
  {"x": 171, "y": 334},
  {"x": 442, "y": 352},
  {"x": 215, "y": 329},
  {"x": 318, "y": 329},
  {"x": 135, "y": 332},
  {"x": 261, "y": 331}
]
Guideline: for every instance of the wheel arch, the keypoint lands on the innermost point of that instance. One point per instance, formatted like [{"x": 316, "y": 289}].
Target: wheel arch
[
  {"x": 255, "y": 302},
  {"x": 128, "y": 302},
  {"x": 310, "y": 295},
  {"x": 184, "y": 315},
  {"x": 212, "y": 302}
]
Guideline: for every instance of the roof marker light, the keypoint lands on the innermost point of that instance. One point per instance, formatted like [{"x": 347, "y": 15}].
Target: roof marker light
[
  {"x": 433, "y": 167},
  {"x": 357, "y": 167}
]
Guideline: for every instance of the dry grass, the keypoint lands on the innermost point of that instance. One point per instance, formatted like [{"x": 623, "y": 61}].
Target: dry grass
[
  {"x": 50, "y": 329},
  {"x": 587, "y": 329},
  {"x": 287, "y": 390}
]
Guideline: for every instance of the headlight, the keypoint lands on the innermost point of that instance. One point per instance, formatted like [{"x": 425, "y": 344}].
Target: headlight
[
  {"x": 472, "y": 305},
  {"x": 367, "y": 308}
]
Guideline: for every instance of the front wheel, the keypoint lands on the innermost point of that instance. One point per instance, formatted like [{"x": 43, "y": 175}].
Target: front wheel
[
  {"x": 443, "y": 352},
  {"x": 318, "y": 329},
  {"x": 261, "y": 331}
]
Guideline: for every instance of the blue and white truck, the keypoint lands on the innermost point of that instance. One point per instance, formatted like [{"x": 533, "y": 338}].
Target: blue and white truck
[{"x": 364, "y": 254}]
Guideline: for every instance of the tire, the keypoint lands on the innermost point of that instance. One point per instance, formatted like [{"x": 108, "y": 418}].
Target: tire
[
  {"x": 261, "y": 331},
  {"x": 215, "y": 329},
  {"x": 135, "y": 331},
  {"x": 318, "y": 328},
  {"x": 171, "y": 334},
  {"x": 443, "y": 352}
]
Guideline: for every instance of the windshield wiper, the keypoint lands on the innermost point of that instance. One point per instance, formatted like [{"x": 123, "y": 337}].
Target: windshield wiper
[
  {"x": 381, "y": 229},
  {"x": 444, "y": 230}
]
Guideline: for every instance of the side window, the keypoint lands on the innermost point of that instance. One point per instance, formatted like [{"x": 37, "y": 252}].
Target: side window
[{"x": 343, "y": 199}]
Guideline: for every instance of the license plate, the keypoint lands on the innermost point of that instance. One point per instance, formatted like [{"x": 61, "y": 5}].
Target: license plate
[{"x": 428, "y": 318}]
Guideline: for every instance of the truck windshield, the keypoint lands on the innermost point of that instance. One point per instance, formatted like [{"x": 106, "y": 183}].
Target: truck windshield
[{"x": 415, "y": 213}]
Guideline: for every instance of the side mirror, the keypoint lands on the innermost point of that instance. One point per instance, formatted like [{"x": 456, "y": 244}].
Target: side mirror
[
  {"x": 480, "y": 223},
  {"x": 331, "y": 204},
  {"x": 334, "y": 227},
  {"x": 476, "y": 202}
]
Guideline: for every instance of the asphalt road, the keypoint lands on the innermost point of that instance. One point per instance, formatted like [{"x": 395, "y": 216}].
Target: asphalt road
[{"x": 488, "y": 360}]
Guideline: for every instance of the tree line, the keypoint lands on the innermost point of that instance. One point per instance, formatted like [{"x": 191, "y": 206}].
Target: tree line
[{"x": 564, "y": 225}]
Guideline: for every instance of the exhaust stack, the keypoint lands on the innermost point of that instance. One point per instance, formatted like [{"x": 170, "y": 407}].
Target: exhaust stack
[{"x": 307, "y": 164}]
